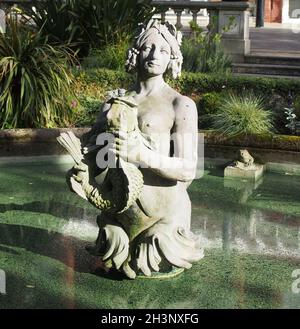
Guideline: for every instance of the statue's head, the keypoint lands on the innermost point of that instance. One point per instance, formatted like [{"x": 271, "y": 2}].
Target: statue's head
[{"x": 156, "y": 50}]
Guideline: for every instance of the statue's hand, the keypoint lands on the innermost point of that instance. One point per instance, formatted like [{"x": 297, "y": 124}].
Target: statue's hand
[
  {"x": 80, "y": 172},
  {"x": 129, "y": 147}
]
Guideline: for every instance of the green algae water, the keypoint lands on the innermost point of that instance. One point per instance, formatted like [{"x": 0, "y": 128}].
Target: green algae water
[{"x": 250, "y": 232}]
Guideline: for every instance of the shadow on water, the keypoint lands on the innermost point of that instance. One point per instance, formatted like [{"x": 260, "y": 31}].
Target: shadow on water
[
  {"x": 58, "y": 209},
  {"x": 8, "y": 250},
  {"x": 68, "y": 250}
]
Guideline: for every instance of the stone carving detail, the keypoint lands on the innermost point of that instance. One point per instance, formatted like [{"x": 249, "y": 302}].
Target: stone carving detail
[
  {"x": 144, "y": 225},
  {"x": 244, "y": 160}
]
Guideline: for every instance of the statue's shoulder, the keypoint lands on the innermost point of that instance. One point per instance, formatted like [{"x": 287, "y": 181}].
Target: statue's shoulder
[
  {"x": 180, "y": 101},
  {"x": 184, "y": 104}
]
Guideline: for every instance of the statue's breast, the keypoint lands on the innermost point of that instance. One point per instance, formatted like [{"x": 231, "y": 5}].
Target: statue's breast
[{"x": 156, "y": 119}]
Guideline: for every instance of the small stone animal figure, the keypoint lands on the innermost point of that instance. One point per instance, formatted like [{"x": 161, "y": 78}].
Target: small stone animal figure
[{"x": 244, "y": 159}]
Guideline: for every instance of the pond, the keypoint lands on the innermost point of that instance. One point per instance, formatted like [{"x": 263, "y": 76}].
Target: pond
[{"x": 250, "y": 232}]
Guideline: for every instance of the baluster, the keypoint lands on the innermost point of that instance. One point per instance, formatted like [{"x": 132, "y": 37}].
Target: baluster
[
  {"x": 178, "y": 13},
  {"x": 213, "y": 24},
  {"x": 163, "y": 15},
  {"x": 194, "y": 13}
]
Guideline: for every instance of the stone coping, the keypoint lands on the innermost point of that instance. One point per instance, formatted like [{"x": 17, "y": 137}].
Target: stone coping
[
  {"x": 42, "y": 142},
  {"x": 33, "y": 142},
  {"x": 265, "y": 141},
  {"x": 39, "y": 134},
  {"x": 219, "y": 5}
]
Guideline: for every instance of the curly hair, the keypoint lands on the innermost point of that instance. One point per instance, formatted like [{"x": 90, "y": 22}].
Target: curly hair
[{"x": 169, "y": 33}]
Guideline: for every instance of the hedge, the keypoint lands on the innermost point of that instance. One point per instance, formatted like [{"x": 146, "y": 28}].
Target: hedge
[
  {"x": 265, "y": 141},
  {"x": 193, "y": 84}
]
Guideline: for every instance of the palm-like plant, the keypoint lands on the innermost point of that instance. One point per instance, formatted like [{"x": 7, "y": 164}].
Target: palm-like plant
[
  {"x": 35, "y": 81},
  {"x": 88, "y": 23},
  {"x": 243, "y": 114}
]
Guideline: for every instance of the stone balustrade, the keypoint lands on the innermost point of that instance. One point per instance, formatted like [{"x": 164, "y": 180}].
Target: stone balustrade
[
  {"x": 230, "y": 19},
  {"x": 235, "y": 39}
]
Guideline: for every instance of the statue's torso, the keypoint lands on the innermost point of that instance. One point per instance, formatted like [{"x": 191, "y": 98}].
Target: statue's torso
[{"x": 156, "y": 118}]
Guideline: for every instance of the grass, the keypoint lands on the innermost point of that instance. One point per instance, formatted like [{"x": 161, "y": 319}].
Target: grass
[{"x": 242, "y": 114}]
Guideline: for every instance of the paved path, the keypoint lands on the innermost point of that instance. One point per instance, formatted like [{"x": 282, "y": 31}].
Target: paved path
[
  {"x": 278, "y": 38},
  {"x": 275, "y": 40}
]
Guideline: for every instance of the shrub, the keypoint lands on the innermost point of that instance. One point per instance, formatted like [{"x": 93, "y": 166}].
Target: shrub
[
  {"x": 110, "y": 56},
  {"x": 202, "y": 52},
  {"x": 88, "y": 23},
  {"x": 297, "y": 107},
  {"x": 96, "y": 82},
  {"x": 35, "y": 81},
  {"x": 243, "y": 114},
  {"x": 103, "y": 79},
  {"x": 88, "y": 111},
  {"x": 208, "y": 104},
  {"x": 278, "y": 104},
  {"x": 198, "y": 83}
]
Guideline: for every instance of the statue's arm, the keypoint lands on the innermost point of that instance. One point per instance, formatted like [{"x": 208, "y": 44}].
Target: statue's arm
[{"x": 183, "y": 163}]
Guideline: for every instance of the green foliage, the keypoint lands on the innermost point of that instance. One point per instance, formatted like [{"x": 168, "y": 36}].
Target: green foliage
[
  {"x": 297, "y": 107},
  {"x": 88, "y": 23},
  {"x": 96, "y": 82},
  {"x": 111, "y": 56},
  {"x": 89, "y": 109},
  {"x": 208, "y": 104},
  {"x": 277, "y": 103},
  {"x": 197, "y": 83},
  {"x": 103, "y": 79},
  {"x": 202, "y": 52},
  {"x": 56, "y": 19},
  {"x": 243, "y": 114},
  {"x": 35, "y": 81}
]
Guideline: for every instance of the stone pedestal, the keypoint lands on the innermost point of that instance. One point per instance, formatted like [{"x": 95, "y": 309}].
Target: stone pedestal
[
  {"x": 245, "y": 187},
  {"x": 254, "y": 172},
  {"x": 234, "y": 26}
]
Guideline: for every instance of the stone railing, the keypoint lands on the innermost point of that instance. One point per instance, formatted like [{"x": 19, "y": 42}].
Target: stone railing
[
  {"x": 235, "y": 39},
  {"x": 230, "y": 19}
]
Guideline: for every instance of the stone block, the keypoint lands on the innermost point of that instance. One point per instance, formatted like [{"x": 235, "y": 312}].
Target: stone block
[{"x": 254, "y": 172}]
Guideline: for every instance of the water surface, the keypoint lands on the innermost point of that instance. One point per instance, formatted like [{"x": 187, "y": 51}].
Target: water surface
[{"x": 250, "y": 232}]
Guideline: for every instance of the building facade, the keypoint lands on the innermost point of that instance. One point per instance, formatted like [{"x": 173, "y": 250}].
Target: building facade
[{"x": 282, "y": 11}]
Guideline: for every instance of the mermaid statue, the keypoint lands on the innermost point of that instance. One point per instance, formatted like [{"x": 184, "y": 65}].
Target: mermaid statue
[{"x": 136, "y": 164}]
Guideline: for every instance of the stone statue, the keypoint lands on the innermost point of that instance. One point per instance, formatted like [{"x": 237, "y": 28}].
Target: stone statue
[
  {"x": 244, "y": 167},
  {"x": 244, "y": 159},
  {"x": 150, "y": 149}
]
